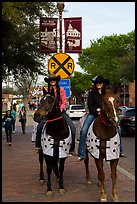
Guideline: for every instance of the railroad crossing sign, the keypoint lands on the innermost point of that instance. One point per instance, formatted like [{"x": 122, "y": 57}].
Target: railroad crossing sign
[{"x": 61, "y": 64}]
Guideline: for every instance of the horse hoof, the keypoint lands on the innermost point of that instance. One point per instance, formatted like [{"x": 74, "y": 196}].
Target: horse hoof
[
  {"x": 103, "y": 198},
  {"x": 41, "y": 181},
  {"x": 114, "y": 198},
  {"x": 62, "y": 191},
  {"x": 89, "y": 182},
  {"x": 49, "y": 193}
]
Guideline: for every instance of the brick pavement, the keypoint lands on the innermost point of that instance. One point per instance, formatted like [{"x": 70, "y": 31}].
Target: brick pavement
[{"x": 20, "y": 174}]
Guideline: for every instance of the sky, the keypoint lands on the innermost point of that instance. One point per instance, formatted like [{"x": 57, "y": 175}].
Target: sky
[{"x": 99, "y": 19}]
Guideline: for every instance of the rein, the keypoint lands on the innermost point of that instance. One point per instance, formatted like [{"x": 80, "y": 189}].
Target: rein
[
  {"x": 103, "y": 121},
  {"x": 100, "y": 116},
  {"x": 53, "y": 119}
]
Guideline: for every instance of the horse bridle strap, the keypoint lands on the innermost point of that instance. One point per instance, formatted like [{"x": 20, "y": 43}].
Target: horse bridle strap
[
  {"x": 103, "y": 120},
  {"x": 47, "y": 121}
]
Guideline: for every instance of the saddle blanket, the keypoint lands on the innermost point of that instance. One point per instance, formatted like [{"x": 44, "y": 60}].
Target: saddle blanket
[
  {"x": 47, "y": 143},
  {"x": 93, "y": 143}
]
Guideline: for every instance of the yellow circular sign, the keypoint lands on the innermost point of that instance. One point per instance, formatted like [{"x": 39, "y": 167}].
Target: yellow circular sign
[{"x": 61, "y": 64}]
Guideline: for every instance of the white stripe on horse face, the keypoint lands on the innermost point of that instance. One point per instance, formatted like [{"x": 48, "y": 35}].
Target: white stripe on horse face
[{"x": 111, "y": 99}]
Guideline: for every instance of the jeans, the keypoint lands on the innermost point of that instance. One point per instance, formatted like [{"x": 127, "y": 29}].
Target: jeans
[
  {"x": 8, "y": 134},
  {"x": 73, "y": 129},
  {"x": 83, "y": 135},
  {"x": 121, "y": 145},
  {"x": 23, "y": 125}
]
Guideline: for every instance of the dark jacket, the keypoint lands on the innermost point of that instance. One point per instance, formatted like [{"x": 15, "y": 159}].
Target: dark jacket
[
  {"x": 8, "y": 121},
  {"x": 22, "y": 115},
  {"x": 94, "y": 101}
]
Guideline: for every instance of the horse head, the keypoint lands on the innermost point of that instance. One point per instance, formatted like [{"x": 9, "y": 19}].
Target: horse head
[
  {"x": 110, "y": 107},
  {"x": 45, "y": 107}
]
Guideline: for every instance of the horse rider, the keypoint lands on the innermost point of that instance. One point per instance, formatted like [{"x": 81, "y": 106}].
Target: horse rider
[
  {"x": 94, "y": 103},
  {"x": 60, "y": 95}
]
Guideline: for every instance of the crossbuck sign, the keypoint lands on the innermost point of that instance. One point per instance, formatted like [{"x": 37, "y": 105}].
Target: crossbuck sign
[{"x": 61, "y": 64}]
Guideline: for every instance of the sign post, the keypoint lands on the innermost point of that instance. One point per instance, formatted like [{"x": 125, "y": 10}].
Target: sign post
[{"x": 65, "y": 83}]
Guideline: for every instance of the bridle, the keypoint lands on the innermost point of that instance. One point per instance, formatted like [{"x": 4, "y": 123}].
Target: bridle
[
  {"x": 47, "y": 121},
  {"x": 54, "y": 119},
  {"x": 111, "y": 121},
  {"x": 106, "y": 123},
  {"x": 103, "y": 121}
]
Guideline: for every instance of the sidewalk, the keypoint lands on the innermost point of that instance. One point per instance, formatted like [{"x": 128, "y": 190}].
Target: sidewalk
[{"x": 20, "y": 174}]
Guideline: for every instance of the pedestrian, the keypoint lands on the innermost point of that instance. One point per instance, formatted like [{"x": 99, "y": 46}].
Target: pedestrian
[
  {"x": 13, "y": 113},
  {"x": 60, "y": 95},
  {"x": 35, "y": 124},
  {"x": 8, "y": 105},
  {"x": 94, "y": 104},
  {"x": 8, "y": 123},
  {"x": 23, "y": 118}
]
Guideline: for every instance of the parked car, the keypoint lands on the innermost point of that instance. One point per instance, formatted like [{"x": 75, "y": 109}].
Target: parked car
[
  {"x": 127, "y": 120},
  {"x": 76, "y": 111}
]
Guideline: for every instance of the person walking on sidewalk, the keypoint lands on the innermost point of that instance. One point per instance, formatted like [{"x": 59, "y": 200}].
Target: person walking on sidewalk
[
  {"x": 13, "y": 113},
  {"x": 23, "y": 118},
  {"x": 8, "y": 120}
]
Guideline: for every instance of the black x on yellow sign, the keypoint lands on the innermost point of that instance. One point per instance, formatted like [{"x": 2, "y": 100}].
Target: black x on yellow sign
[{"x": 61, "y": 64}]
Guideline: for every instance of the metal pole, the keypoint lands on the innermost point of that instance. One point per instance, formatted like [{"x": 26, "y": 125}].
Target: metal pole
[
  {"x": 60, "y": 6},
  {"x": 60, "y": 20}
]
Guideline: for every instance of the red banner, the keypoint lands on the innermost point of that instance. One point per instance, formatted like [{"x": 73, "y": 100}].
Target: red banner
[
  {"x": 73, "y": 35},
  {"x": 48, "y": 35}
]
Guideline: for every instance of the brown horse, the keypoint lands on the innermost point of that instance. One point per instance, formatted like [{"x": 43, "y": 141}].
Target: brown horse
[
  {"x": 103, "y": 143},
  {"x": 55, "y": 141}
]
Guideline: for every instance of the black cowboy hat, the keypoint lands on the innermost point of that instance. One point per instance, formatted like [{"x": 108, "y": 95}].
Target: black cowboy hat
[
  {"x": 52, "y": 77},
  {"x": 100, "y": 79}
]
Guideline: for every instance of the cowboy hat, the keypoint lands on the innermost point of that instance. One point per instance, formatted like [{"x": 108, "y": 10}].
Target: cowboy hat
[
  {"x": 100, "y": 79},
  {"x": 52, "y": 77}
]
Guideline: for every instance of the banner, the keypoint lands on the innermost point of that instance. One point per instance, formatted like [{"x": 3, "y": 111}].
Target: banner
[
  {"x": 73, "y": 35},
  {"x": 48, "y": 35}
]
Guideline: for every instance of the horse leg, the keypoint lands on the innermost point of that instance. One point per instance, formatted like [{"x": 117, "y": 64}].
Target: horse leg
[
  {"x": 86, "y": 162},
  {"x": 101, "y": 178},
  {"x": 56, "y": 170},
  {"x": 41, "y": 159},
  {"x": 61, "y": 170},
  {"x": 113, "y": 165},
  {"x": 49, "y": 161}
]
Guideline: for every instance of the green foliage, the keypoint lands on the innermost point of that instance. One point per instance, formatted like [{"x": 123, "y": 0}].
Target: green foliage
[
  {"x": 9, "y": 90},
  {"x": 110, "y": 56},
  {"x": 20, "y": 37},
  {"x": 79, "y": 84}
]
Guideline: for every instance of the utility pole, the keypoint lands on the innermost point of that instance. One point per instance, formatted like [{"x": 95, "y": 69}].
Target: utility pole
[{"x": 60, "y": 6}]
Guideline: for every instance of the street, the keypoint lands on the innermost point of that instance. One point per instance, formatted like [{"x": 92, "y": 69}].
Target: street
[{"x": 20, "y": 173}]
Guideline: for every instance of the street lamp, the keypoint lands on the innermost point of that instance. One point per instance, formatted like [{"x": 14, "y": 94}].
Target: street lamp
[{"x": 60, "y": 6}]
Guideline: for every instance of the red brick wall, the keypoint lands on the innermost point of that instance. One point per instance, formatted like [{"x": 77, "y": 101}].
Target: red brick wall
[{"x": 132, "y": 94}]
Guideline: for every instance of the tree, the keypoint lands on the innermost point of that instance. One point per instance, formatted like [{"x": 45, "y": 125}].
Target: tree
[
  {"x": 110, "y": 56},
  {"x": 26, "y": 85},
  {"x": 79, "y": 84},
  {"x": 20, "y": 37}
]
